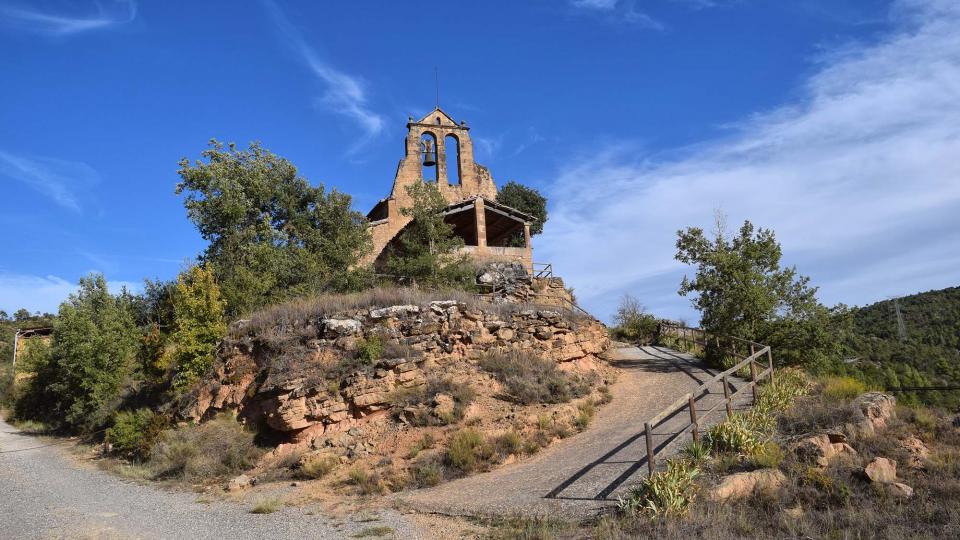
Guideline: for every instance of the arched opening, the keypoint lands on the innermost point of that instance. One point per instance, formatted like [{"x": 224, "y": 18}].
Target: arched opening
[
  {"x": 428, "y": 153},
  {"x": 451, "y": 147}
]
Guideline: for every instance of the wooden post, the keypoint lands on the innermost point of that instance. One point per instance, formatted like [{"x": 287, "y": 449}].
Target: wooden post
[
  {"x": 693, "y": 419},
  {"x": 726, "y": 396},
  {"x": 650, "y": 458},
  {"x": 770, "y": 363},
  {"x": 753, "y": 377}
]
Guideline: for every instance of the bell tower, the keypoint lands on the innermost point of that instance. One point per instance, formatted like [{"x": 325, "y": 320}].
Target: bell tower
[{"x": 440, "y": 150}]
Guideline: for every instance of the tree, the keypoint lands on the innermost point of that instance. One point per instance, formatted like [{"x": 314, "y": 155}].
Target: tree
[
  {"x": 742, "y": 291},
  {"x": 21, "y": 315},
  {"x": 272, "y": 235},
  {"x": 527, "y": 200},
  {"x": 199, "y": 325},
  {"x": 92, "y": 356},
  {"x": 633, "y": 323},
  {"x": 426, "y": 250}
]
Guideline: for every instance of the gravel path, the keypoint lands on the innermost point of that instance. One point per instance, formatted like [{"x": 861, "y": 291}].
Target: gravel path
[
  {"x": 579, "y": 476},
  {"x": 45, "y": 493}
]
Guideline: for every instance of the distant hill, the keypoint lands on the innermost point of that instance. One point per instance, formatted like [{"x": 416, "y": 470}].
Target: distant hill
[
  {"x": 931, "y": 318},
  {"x": 928, "y": 356}
]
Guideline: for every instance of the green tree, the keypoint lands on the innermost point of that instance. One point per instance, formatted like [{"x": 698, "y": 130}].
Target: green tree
[
  {"x": 426, "y": 250},
  {"x": 527, "y": 200},
  {"x": 272, "y": 235},
  {"x": 199, "y": 325},
  {"x": 92, "y": 356},
  {"x": 742, "y": 291}
]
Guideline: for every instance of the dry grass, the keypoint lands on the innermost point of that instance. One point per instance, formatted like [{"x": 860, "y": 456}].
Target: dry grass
[
  {"x": 208, "y": 451},
  {"x": 528, "y": 379},
  {"x": 302, "y": 312}
]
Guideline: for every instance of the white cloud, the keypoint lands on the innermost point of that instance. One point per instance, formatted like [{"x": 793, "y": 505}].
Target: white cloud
[
  {"x": 61, "y": 181},
  {"x": 605, "y": 5},
  {"x": 56, "y": 23},
  {"x": 619, "y": 11},
  {"x": 860, "y": 179},
  {"x": 345, "y": 94},
  {"x": 44, "y": 293}
]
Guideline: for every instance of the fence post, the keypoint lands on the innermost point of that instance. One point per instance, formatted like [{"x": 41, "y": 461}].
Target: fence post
[
  {"x": 693, "y": 419},
  {"x": 753, "y": 377},
  {"x": 650, "y": 458},
  {"x": 770, "y": 364},
  {"x": 726, "y": 396}
]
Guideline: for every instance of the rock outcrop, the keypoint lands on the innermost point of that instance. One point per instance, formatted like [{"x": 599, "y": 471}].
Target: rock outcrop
[
  {"x": 822, "y": 449},
  {"x": 309, "y": 377},
  {"x": 876, "y": 409},
  {"x": 767, "y": 482}
]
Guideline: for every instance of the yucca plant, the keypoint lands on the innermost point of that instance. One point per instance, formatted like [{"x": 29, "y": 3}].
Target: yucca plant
[{"x": 668, "y": 492}]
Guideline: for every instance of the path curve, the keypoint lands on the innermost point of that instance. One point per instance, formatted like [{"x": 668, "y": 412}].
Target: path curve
[
  {"x": 579, "y": 476},
  {"x": 45, "y": 493}
]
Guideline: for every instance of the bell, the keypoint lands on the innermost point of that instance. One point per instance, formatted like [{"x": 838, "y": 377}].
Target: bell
[{"x": 429, "y": 154}]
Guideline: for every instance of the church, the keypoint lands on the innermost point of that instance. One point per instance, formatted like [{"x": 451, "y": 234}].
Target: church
[{"x": 438, "y": 149}]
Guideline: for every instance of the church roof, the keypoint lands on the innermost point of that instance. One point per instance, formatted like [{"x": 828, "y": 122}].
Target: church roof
[{"x": 431, "y": 118}]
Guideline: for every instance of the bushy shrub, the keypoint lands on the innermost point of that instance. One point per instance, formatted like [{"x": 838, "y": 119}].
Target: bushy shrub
[
  {"x": 404, "y": 398},
  {"x": 134, "y": 433},
  {"x": 841, "y": 388},
  {"x": 633, "y": 323},
  {"x": 199, "y": 325},
  {"x": 428, "y": 473},
  {"x": 94, "y": 346},
  {"x": 766, "y": 455},
  {"x": 529, "y": 379},
  {"x": 195, "y": 453},
  {"x": 790, "y": 383},
  {"x": 469, "y": 451},
  {"x": 368, "y": 483},
  {"x": 318, "y": 467},
  {"x": 370, "y": 349},
  {"x": 664, "y": 493},
  {"x": 735, "y": 434}
]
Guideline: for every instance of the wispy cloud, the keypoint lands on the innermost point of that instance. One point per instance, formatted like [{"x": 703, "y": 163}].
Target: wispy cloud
[
  {"x": 96, "y": 16},
  {"x": 44, "y": 293},
  {"x": 344, "y": 94},
  {"x": 61, "y": 181},
  {"x": 859, "y": 178},
  {"x": 620, "y": 11}
]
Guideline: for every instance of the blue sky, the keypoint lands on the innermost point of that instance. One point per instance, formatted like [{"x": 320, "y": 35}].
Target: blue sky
[{"x": 834, "y": 122}]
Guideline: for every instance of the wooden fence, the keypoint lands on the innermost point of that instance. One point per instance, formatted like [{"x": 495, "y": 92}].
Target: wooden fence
[{"x": 696, "y": 336}]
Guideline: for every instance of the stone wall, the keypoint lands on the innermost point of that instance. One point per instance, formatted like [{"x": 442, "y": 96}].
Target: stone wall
[{"x": 292, "y": 379}]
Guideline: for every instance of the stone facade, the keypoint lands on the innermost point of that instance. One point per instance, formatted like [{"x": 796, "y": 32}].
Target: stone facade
[
  {"x": 474, "y": 190},
  {"x": 300, "y": 392}
]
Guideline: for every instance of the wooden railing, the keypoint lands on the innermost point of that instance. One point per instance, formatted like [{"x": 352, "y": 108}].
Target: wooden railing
[
  {"x": 542, "y": 270},
  {"x": 696, "y": 336}
]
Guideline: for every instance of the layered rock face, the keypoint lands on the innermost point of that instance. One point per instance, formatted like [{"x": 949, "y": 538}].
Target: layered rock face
[{"x": 313, "y": 376}]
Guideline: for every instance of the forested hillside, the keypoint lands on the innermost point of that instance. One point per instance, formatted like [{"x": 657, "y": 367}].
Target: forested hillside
[{"x": 929, "y": 354}]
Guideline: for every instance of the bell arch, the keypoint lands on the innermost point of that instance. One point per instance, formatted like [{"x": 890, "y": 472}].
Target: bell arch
[
  {"x": 429, "y": 168},
  {"x": 452, "y": 162}
]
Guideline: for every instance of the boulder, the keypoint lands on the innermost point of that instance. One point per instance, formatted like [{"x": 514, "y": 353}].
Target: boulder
[
  {"x": 919, "y": 453},
  {"x": 393, "y": 311},
  {"x": 898, "y": 489},
  {"x": 881, "y": 470},
  {"x": 240, "y": 482},
  {"x": 821, "y": 449},
  {"x": 341, "y": 327},
  {"x": 877, "y": 409},
  {"x": 767, "y": 482}
]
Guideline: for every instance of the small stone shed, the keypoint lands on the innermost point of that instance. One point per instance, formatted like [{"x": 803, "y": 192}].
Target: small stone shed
[{"x": 438, "y": 149}]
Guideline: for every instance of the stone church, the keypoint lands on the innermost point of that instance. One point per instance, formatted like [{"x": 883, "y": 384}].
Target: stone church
[{"x": 438, "y": 149}]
